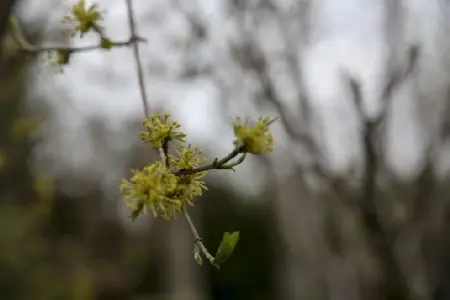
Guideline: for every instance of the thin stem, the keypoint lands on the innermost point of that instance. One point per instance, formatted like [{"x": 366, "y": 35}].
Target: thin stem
[
  {"x": 26, "y": 47},
  {"x": 216, "y": 164},
  {"x": 165, "y": 151},
  {"x": 140, "y": 71},
  {"x": 137, "y": 58},
  {"x": 198, "y": 241},
  {"x": 31, "y": 49}
]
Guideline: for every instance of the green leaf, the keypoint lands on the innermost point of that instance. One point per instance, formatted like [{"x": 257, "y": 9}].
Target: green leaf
[
  {"x": 197, "y": 255},
  {"x": 226, "y": 247}
]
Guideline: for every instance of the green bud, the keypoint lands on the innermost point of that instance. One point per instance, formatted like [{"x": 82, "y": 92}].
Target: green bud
[
  {"x": 197, "y": 255},
  {"x": 62, "y": 57},
  {"x": 106, "y": 43}
]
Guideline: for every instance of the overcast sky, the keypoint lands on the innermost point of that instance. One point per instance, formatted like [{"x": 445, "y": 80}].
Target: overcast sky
[{"x": 347, "y": 35}]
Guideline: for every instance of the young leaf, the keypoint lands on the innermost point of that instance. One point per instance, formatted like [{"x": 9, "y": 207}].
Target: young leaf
[
  {"x": 226, "y": 247},
  {"x": 197, "y": 255}
]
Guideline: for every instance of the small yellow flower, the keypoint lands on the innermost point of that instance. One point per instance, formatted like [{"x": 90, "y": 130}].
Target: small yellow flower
[
  {"x": 254, "y": 139},
  {"x": 159, "y": 191},
  {"x": 191, "y": 186},
  {"x": 153, "y": 188},
  {"x": 160, "y": 131},
  {"x": 85, "y": 18},
  {"x": 188, "y": 158}
]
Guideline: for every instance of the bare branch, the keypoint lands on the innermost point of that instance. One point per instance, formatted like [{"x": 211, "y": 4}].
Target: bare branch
[
  {"x": 380, "y": 240},
  {"x": 137, "y": 58},
  {"x": 397, "y": 78}
]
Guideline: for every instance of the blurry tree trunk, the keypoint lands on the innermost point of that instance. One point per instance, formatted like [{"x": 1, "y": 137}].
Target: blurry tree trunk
[{"x": 301, "y": 266}]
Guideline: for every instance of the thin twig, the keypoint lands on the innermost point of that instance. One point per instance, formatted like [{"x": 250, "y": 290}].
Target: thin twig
[
  {"x": 28, "y": 48},
  {"x": 31, "y": 49},
  {"x": 380, "y": 240},
  {"x": 140, "y": 71},
  {"x": 198, "y": 241},
  {"x": 216, "y": 164},
  {"x": 137, "y": 58},
  {"x": 38, "y": 49}
]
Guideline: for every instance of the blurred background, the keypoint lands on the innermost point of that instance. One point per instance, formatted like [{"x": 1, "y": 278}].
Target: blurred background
[{"x": 354, "y": 203}]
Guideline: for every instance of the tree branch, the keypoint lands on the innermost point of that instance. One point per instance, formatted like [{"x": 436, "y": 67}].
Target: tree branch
[
  {"x": 197, "y": 239},
  {"x": 379, "y": 239},
  {"x": 216, "y": 164},
  {"x": 31, "y": 49},
  {"x": 138, "y": 62},
  {"x": 28, "y": 48}
]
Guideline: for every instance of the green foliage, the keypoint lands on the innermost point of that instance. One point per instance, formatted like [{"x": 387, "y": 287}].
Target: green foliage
[{"x": 226, "y": 247}]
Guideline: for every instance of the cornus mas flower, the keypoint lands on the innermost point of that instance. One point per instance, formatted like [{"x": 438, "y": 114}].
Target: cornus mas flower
[
  {"x": 255, "y": 139},
  {"x": 188, "y": 158},
  {"x": 161, "y": 130},
  {"x": 85, "y": 18},
  {"x": 157, "y": 189},
  {"x": 160, "y": 192},
  {"x": 153, "y": 188}
]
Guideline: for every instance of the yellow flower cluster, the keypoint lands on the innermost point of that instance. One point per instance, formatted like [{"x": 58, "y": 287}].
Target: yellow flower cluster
[
  {"x": 152, "y": 188},
  {"x": 164, "y": 192},
  {"x": 156, "y": 188},
  {"x": 160, "y": 131},
  {"x": 85, "y": 18},
  {"x": 188, "y": 158},
  {"x": 255, "y": 139},
  {"x": 159, "y": 191}
]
